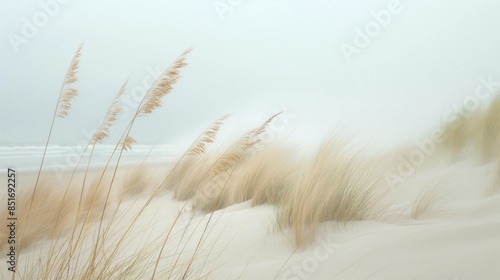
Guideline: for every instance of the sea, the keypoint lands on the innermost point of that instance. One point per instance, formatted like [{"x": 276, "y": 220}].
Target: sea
[{"x": 58, "y": 157}]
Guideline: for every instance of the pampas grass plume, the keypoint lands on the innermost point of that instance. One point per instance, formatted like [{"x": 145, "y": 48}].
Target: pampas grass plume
[
  {"x": 103, "y": 131},
  {"x": 126, "y": 143},
  {"x": 162, "y": 86},
  {"x": 67, "y": 93},
  {"x": 208, "y": 136}
]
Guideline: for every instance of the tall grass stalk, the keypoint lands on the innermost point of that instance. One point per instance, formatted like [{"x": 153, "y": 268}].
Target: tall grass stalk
[
  {"x": 151, "y": 101},
  {"x": 66, "y": 95}
]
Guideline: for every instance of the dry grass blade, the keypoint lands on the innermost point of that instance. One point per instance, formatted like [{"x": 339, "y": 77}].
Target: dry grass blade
[
  {"x": 339, "y": 185},
  {"x": 126, "y": 143},
  {"x": 236, "y": 153},
  {"x": 429, "y": 200},
  {"x": 67, "y": 93},
  {"x": 265, "y": 176},
  {"x": 424, "y": 203},
  {"x": 103, "y": 130},
  {"x": 188, "y": 163},
  {"x": 208, "y": 136},
  {"x": 227, "y": 161},
  {"x": 162, "y": 86},
  {"x": 490, "y": 131},
  {"x": 151, "y": 101},
  {"x": 212, "y": 196},
  {"x": 253, "y": 135},
  {"x": 62, "y": 107}
]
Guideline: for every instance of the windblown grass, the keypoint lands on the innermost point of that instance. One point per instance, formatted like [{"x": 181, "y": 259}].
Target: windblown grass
[
  {"x": 427, "y": 202},
  {"x": 489, "y": 130},
  {"x": 42, "y": 222},
  {"x": 212, "y": 195},
  {"x": 48, "y": 211},
  {"x": 189, "y": 171},
  {"x": 66, "y": 95},
  {"x": 460, "y": 134},
  {"x": 190, "y": 175},
  {"x": 136, "y": 181},
  {"x": 476, "y": 131},
  {"x": 264, "y": 178},
  {"x": 339, "y": 184}
]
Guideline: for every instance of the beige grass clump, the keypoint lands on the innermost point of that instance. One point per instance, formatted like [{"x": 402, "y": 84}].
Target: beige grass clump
[
  {"x": 339, "y": 184},
  {"x": 186, "y": 175},
  {"x": 426, "y": 203},
  {"x": 213, "y": 194},
  {"x": 54, "y": 211},
  {"x": 112, "y": 261},
  {"x": 136, "y": 181},
  {"x": 95, "y": 196},
  {"x": 190, "y": 175},
  {"x": 489, "y": 144},
  {"x": 478, "y": 130},
  {"x": 265, "y": 177},
  {"x": 178, "y": 174},
  {"x": 43, "y": 220},
  {"x": 461, "y": 134}
]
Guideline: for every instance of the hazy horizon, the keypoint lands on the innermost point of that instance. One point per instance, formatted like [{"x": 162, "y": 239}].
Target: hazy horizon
[{"x": 251, "y": 59}]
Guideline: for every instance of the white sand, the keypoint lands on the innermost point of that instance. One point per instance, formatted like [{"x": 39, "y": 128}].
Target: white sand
[{"x": 457, "y": 238}]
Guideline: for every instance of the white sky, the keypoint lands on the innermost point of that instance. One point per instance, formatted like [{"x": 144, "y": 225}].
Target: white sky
[{"x": 259, "y": 57}]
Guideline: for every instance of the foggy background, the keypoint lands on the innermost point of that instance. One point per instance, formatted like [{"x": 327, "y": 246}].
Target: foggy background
[{"x": 250, "y": 58}]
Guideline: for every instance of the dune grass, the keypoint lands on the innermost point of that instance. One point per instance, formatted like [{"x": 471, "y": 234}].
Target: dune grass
[
  {"x": 338, "y": 185},
  {"x": 478, "y": 131},
  {"x": 489, "y": 131},
  {"x": 265, "y": 177},
  {"x": 428, "y": 201},
  {"x": 460, "y": 134},
  {"x": 88, "y": 233},
  {"x": 68, "y": 219},
  {"x": 213, "y": 194},
  {"x": 66, "y": 95}
]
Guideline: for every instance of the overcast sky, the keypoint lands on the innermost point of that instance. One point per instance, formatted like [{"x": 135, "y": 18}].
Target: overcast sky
[{"x": 387, "y": 68}]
